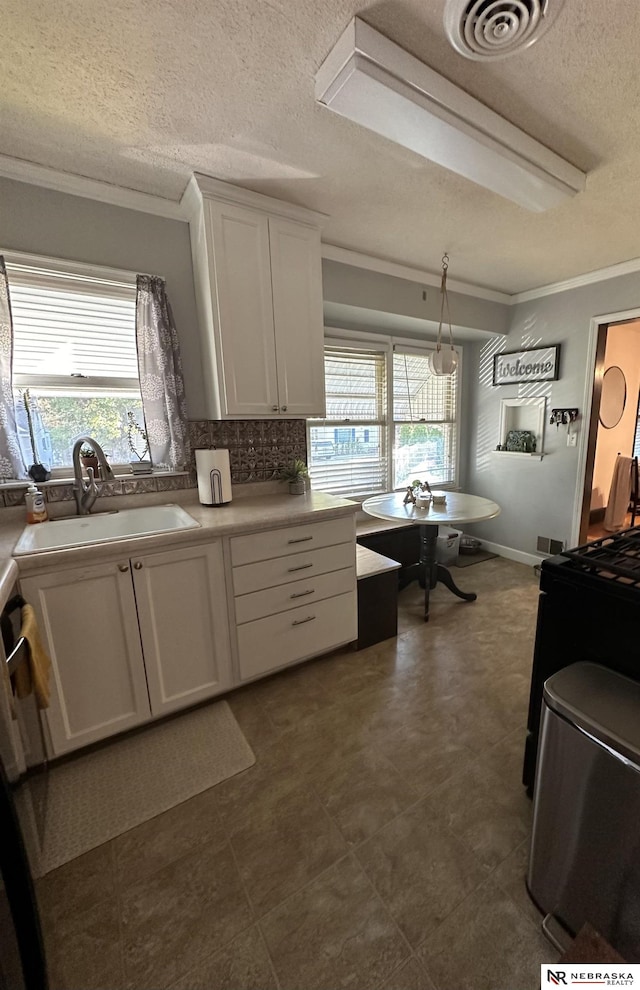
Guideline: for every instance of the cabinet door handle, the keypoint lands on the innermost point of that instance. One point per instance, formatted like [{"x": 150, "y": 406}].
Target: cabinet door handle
[
  {"x": 300, "y": 622},
  {"x": 123, "y": 567},
  {"x": 301, "y": 539},
  {"x": 274, "y": 408},
  {"x": 302, "y": 567},
  {"x": 283, "y": 409},
  {"x": 302, "y": 594},
  {"x": 137, "y": 565}
]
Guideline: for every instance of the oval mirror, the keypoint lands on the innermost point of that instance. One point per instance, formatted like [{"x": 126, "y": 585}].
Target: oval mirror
[{"x": 613, "y": 397}]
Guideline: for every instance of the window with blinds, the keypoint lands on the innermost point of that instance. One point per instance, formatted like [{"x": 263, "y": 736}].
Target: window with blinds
[
  {"x": 348, "y": 449},
  {"x": 424, "y": 420},
  {"x": 74, "y": 350},
  {"x": 389, "y": 420}
]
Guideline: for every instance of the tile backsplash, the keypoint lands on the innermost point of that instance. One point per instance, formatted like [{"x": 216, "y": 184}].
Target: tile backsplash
[{"x": 258, "y": 449}]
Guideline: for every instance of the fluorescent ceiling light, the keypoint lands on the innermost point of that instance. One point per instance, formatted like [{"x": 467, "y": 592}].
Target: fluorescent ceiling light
[{"x": 374, "y": 82}]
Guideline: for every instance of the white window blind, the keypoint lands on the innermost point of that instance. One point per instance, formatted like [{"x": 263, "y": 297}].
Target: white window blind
[
  {"x": 348, "y": 449},
  {"x": 72, "y": 329},
  {"x": 74, "y": 353},
  {"x": 424, "y": 415}
]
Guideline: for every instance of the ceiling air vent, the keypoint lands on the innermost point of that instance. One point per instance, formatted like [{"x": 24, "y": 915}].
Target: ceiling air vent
[{"x": 486, "y": 30}]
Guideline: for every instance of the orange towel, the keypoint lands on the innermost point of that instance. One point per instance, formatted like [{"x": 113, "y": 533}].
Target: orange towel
[{"x": 33, "y": 675}]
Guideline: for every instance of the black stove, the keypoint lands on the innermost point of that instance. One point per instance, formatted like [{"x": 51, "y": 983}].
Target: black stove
[
  {"x": 612, "y": 558},
  {"x": 589, "y": 609}
]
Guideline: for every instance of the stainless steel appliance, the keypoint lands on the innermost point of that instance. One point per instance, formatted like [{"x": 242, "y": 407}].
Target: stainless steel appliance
[
  {"x": 585, "y": 850},
  {"x": 589, "y": 609}
]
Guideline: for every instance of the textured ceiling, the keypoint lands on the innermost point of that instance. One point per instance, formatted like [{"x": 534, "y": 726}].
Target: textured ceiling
[{"x": 141, "y": 93}]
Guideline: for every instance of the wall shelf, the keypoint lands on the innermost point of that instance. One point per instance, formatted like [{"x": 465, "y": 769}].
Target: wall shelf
[
  {"x": 523, "y": 414},
  {"x": 536, "y": 456}
]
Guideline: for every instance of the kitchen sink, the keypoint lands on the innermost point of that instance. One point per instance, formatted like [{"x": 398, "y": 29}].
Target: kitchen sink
[{"x": 103, "y": 527}]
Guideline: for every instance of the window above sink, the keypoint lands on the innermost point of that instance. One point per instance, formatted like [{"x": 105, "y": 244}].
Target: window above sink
[{"x": 75, "y": 351}]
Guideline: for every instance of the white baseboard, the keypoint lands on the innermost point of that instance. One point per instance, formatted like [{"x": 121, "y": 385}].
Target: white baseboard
[{"x": 519, "y": 555}]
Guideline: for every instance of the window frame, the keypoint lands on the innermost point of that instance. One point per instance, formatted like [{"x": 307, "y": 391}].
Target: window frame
[
  {"x": 356, "y": 340},
  {"x": 109, "y": 386},
  {"x": 360, "y": 345}
]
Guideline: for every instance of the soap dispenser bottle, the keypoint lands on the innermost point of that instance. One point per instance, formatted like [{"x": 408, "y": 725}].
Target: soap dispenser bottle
[{"x": 36, "y": 507}]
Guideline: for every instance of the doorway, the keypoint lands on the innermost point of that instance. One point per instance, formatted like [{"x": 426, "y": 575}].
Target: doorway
[{"x": 613, "y": 424}]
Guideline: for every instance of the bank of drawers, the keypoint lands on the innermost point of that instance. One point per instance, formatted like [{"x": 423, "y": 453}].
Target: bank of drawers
[{"x": 294, "y": 593}]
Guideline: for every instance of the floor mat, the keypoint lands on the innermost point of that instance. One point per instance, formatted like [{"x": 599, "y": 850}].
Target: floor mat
[{"x": 101, "y": 794}]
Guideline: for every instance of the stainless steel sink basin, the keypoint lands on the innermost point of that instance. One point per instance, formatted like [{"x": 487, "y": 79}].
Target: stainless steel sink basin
[{"x": 103, "y": 527}]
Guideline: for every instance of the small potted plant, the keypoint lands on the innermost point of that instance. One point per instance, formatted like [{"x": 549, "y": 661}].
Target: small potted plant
[
  {"x": 297, "y": 474},
  {"x": 89, "y": 459},
  {"x": 137, "y": 437}
]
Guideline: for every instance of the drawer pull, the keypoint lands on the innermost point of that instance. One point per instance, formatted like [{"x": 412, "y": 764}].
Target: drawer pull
[
  {"x": 302, "y": 594},
  {"x": 302, "y": 567},
  {"x": 300, "y": 622},
  {"x": 301, "y": 539}
]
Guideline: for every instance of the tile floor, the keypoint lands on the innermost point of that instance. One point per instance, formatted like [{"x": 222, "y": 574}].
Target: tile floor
[{"x": 379, "y": 841}]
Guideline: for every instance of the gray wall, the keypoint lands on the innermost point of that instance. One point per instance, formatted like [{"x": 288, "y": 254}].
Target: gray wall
[
  {"x": 388, "y": 294},
  {"x": 57, "y": 225},
  {"x": 537, "y": 497},
  {"x": 385, "y": 294}
]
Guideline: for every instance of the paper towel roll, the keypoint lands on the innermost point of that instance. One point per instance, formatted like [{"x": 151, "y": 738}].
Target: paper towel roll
[{"x": 214, "y": 476}]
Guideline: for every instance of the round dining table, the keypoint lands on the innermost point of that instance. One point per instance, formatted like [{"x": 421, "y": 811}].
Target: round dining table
[{"x": 458, "y": 508}]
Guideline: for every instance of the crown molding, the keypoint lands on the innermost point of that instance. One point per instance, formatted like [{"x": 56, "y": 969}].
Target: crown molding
[
  {"x": 201, "y": 187},
  {"x": 358, "y": 260},
  {"x": 80, "y": 185},
  {"x": 355, "y": 259},
  {"x": 579, "y": 281},
  {"x": 131, "y": 199}
]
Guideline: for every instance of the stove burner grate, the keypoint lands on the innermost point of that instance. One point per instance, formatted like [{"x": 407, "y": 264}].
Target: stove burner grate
[{"x": 615, "y": 557}]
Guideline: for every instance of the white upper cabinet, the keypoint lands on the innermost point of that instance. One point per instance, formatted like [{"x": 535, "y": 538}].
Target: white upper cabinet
[
  {"x": 296, "y": 281},
  {"x": 238, "y": 241},
  {"x": 258, "y": 273}
]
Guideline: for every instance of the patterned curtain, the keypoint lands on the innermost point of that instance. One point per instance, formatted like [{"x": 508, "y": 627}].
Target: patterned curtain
[
  {"x": 161, "y": 378},
  {"x": 11, "y": 462}
]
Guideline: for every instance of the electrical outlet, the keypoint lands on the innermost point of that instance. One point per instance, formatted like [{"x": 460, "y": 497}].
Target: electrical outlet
[{"x": 572, "y": 439}]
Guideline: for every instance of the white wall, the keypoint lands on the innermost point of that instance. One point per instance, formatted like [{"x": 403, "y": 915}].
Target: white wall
[
  {"x": 537, "y": 497},
  {"x": 622, "y": 351}
]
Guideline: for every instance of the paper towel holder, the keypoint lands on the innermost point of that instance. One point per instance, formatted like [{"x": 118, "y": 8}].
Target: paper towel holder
[{"x": 214, "y": 481}]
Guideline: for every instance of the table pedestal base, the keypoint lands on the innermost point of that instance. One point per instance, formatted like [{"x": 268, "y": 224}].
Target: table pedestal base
[{"x": 430, "y": 571}]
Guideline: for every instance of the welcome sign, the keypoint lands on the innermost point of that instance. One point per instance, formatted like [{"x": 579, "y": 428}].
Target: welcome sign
[{"x": 536, "y": 364}]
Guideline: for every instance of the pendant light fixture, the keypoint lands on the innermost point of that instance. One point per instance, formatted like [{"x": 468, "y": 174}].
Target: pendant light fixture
[{"x": 444, "y": 360}]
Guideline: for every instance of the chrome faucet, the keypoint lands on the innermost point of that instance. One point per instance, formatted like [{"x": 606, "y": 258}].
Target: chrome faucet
[{"x": 85, "y": 493}]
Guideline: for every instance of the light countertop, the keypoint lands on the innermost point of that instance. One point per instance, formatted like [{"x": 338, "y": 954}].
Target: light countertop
[
  {"x": 8, "y": 578},
  {"x": 242, "y": 515}
]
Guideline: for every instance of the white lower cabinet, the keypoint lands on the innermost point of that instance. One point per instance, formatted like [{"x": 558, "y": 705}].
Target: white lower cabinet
[
  {"x": 135, "y": 638},
  {"x": 88, "y": 620},
  {"x": 294, "y": 594},
  {"x": 297, "y": 634},
  {"x": 131, "y": 639},
  {"x": 182, "y": 611}
]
